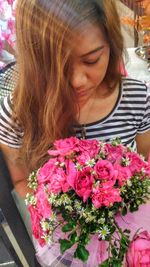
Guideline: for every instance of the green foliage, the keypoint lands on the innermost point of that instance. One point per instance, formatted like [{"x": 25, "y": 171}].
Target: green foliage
[
  {"x": 81, "y": 253},
  {"x": 64, "y": 245},
  {"x": 73, "y": 237},
  {"x": 68, "y": 227},
  {"x": 135, "y": 193}
]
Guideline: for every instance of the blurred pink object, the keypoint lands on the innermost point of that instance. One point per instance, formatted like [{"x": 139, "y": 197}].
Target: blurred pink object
[
  {"x": 122, "y": 69},
  {"x": 7, "y": 23},
  {"x": 10, "y": 2},
  {"x": 139, "y": 251}
]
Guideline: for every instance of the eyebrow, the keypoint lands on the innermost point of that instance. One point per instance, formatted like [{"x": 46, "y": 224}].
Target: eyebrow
[{"x": 93, "y": 51}]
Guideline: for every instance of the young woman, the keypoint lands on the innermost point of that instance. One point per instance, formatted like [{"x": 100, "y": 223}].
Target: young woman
[{"x": 68, "y": 54}]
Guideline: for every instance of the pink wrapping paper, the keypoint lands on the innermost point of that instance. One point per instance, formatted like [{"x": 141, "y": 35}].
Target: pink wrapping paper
[{"x": 98, "y": 249}]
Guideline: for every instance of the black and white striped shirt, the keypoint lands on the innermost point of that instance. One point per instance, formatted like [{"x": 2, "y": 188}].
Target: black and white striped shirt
[
  {"x": 10, "y": 131},
  {"x": 129, "y": 117}
]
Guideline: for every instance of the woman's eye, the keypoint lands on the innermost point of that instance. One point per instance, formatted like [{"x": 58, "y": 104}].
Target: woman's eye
[{"x": 91, "y": 62}]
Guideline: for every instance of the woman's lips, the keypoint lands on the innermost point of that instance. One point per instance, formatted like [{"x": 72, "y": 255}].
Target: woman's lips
[{"x": 84, "y": 92}]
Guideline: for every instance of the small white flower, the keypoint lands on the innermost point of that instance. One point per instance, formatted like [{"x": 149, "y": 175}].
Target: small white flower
[
  {"x": 110, "y": 214},
  {"x": 90, "y": 162},
  {"x": 65, "y": 199},
  {"x": 52, "y": 198},
  {"x": 129, "y": 183},
  {"x": 30, "y": 199},
  {"x": 103, "y": 232},
  {"x": 78, "y": 167},
  {"x": 45, "y": 225},
  {"x": 126, "y": 161},
  {"x": 77, "y": 205},
  {"x": 94, "y": 209},
  {"x": 81, "y": 212},
  {"x": 143, "y": 170},
  {"x": 47, "y": 238},
  {"x": 90, "y": 218},
  {"x": 69, "y": 208},
  {"x": 101, "y": 221}
]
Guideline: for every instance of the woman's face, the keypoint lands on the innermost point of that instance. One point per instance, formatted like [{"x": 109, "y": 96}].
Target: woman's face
[{"x": 89, "y": 62}]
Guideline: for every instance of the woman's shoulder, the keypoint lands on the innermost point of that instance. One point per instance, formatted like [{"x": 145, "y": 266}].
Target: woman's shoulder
[
  {"x": 134, "y": 87},
  {"x": 129, "y": 81},
  {"x": 10, "y": 130}
]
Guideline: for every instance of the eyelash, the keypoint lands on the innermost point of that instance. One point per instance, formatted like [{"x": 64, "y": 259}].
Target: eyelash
[{"x": 91, "y": 63}]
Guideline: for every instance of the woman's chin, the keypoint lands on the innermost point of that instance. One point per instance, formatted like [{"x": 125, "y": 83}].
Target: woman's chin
[{"x": 84, "y": 96}]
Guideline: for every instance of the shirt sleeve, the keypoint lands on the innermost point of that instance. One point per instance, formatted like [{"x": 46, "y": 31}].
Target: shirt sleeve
[
  {"x": 145, "y": 123},
  {"x": 11, "y": 133}
]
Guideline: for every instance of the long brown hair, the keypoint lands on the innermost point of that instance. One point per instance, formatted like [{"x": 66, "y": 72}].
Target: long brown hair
[{"x": 43, "y": 100}]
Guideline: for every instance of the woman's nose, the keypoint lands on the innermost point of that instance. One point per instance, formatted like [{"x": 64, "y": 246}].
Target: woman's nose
[{"x": 78, "y": 79}]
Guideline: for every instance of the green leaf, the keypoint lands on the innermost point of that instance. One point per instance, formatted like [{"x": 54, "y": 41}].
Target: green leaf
[
  {"x": 112, "y": 229},
  {"x": 124, "y": 211},
  {"x": 84, "y": 239},
  {"x": 67, "y": 227},
  {"x": 114, "y": 252},
  {"x": 116, "y": 263},
  {"x": 65, "y": 216},
  {"x": 64, "y": 245},
  {"x": 81, "y": 253},
  {"x": 111, "y": 262},
  {"x": 124, "y": 243},
  {"x": 73, "y": 237},
  {"x": 133, "y": 208},
  {"x": 105, "y": 264}
]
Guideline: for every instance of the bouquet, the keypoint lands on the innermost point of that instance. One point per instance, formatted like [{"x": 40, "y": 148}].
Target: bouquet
[{"x": 81, "y": 189}]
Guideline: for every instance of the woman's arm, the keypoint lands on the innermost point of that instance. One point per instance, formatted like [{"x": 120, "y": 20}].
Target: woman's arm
[
  {"x": 17, "y": 168},
  {"x": 143, "y": 143}
]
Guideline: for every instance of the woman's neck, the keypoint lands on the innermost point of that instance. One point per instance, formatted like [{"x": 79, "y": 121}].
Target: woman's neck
[{"x": 98, "y": 106}]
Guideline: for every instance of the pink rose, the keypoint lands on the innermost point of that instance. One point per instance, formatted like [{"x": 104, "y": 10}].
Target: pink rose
[
  {"x": 92, "y": 147},
  {"x": 43, "y": 206},
  {"x": 114, "y": 153},
  {"x": 35, "y": 224},
  {"x": 71, "y": 173},
  {"x": 104, "y": 170},
  {"x": 58, "y": 182},
  {"x": 147, "y": 169},
  {"x": 105, "y": 195},
  {"x": 65, "y": 146},
  {"x": 136, "y": 162},
  {"x": 47, "y": 171},
  {"x": 83, "y": 183},
  {"x": 123, "y": 173},
  {"x": 138, "y": 254},
  {"x": 83, "y": 158}
]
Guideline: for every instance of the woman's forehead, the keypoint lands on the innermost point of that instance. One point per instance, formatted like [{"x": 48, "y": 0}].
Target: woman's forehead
[{"x": 88, "y": 40}]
